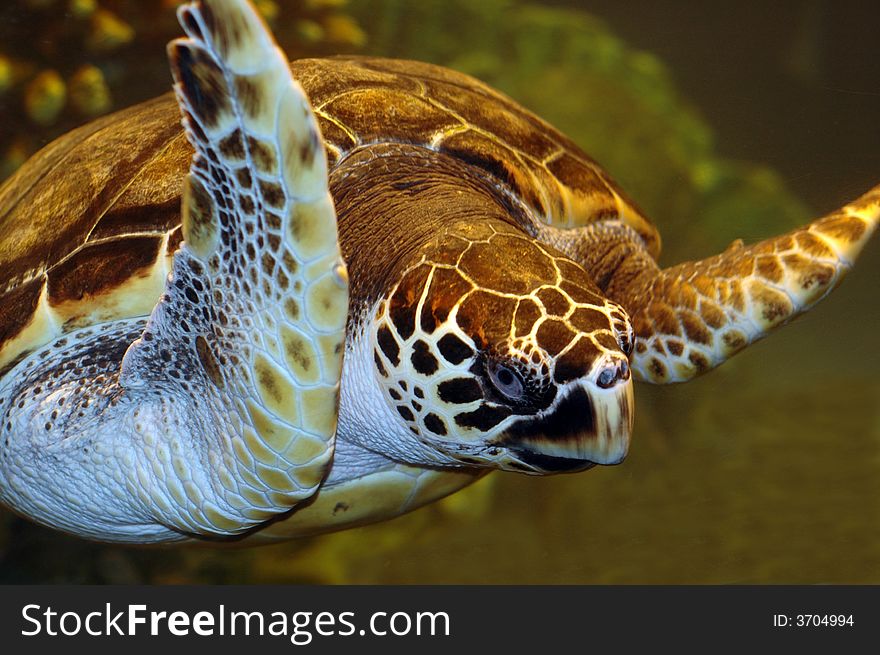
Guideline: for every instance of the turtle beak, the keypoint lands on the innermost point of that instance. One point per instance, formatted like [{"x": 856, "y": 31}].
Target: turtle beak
[{"x": 589, "y": 425}]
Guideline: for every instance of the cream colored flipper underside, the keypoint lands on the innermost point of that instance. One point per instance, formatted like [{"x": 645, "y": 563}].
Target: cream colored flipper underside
[
  {"x": 222, "y": 414},
  {"x": 260, "y": 280}
]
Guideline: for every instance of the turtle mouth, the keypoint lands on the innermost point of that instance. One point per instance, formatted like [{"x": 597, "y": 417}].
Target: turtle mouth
[
  {"x": 589, "y": 425},
  {"x": 550, "y": 464}
]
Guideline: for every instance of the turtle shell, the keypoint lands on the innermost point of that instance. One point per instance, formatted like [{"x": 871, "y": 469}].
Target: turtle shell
[{"x": 88, "y": 225}]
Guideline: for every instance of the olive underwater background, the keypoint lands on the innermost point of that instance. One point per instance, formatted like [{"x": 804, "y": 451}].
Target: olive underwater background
[{"x": 722, "y": 120}]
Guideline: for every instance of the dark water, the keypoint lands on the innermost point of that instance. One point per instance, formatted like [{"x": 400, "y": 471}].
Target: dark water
[{"x": 729, "y": 120}]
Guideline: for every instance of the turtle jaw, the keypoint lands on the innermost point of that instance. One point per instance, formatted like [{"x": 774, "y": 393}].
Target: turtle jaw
[{"x": 588, "y": 426}]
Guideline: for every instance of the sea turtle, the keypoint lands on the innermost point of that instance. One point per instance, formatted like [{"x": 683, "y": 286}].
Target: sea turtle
[{"x": 389, "y": 279}]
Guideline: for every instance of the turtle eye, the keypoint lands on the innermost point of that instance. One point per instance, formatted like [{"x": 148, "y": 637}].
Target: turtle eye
[{"x": 507, "y": 381}]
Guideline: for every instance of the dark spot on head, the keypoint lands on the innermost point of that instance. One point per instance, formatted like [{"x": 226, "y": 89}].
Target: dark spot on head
[
  {"x": 448, "y": 287},
  {"x": 435, "y": 424},
  {"x": 403, "y": 317},
  {"x": 405, "y": 412},
  {"x": 388, "y": 344},
  {"x": 379, "y": 365},
  {"x": 427, "y": 320},
  {"x": 459, "y": 390},
  {"x": 423, "y": 360},
  {"x": 453, "y": 349},
  {"x": 484, "y": 418}
]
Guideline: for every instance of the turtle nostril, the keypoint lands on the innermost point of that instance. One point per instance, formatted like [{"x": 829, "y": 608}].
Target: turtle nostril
[
  {"x": 606, "y": 377},
  {"x": 614, "y": 372}
]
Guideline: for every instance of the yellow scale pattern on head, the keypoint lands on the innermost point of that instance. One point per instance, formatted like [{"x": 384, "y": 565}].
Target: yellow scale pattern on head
[{"x": 586, "y": 317}]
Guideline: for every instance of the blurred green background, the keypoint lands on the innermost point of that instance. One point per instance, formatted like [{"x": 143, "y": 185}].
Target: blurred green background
[{"x": 722, "y": 120}]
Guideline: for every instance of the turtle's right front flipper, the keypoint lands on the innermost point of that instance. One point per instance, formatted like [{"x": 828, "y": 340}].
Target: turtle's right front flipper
[
  {"x": 691, "y": 317},
  {"x": 222, "y": 413}
]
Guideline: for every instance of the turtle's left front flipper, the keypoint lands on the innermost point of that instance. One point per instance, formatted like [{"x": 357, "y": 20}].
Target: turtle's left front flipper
[
  {"x": 691, "y": 317},
  {"x": 250, "y": 333},
  {"x": 220, "y": 413}
]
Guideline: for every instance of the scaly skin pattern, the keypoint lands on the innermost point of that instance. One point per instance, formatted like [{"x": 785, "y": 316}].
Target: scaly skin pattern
[
  {"x": 692, "y": 317},
  {"x": 222, "y": 412},
  {"x": 458, "y": 314}
]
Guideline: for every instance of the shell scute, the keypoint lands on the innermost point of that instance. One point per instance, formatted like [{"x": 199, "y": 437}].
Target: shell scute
[
  {"x": 383, "y": 113},
  {"x": 499, "y": 117},
  {"x": 574, "y": 193},
  {"x": 101, "y": 267}
]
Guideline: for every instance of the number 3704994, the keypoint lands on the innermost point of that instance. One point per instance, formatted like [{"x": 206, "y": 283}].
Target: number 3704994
[{"x": 812, "y": 620}]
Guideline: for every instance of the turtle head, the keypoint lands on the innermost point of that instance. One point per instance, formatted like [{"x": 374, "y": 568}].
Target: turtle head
[{"x": 500, "y": 352}]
